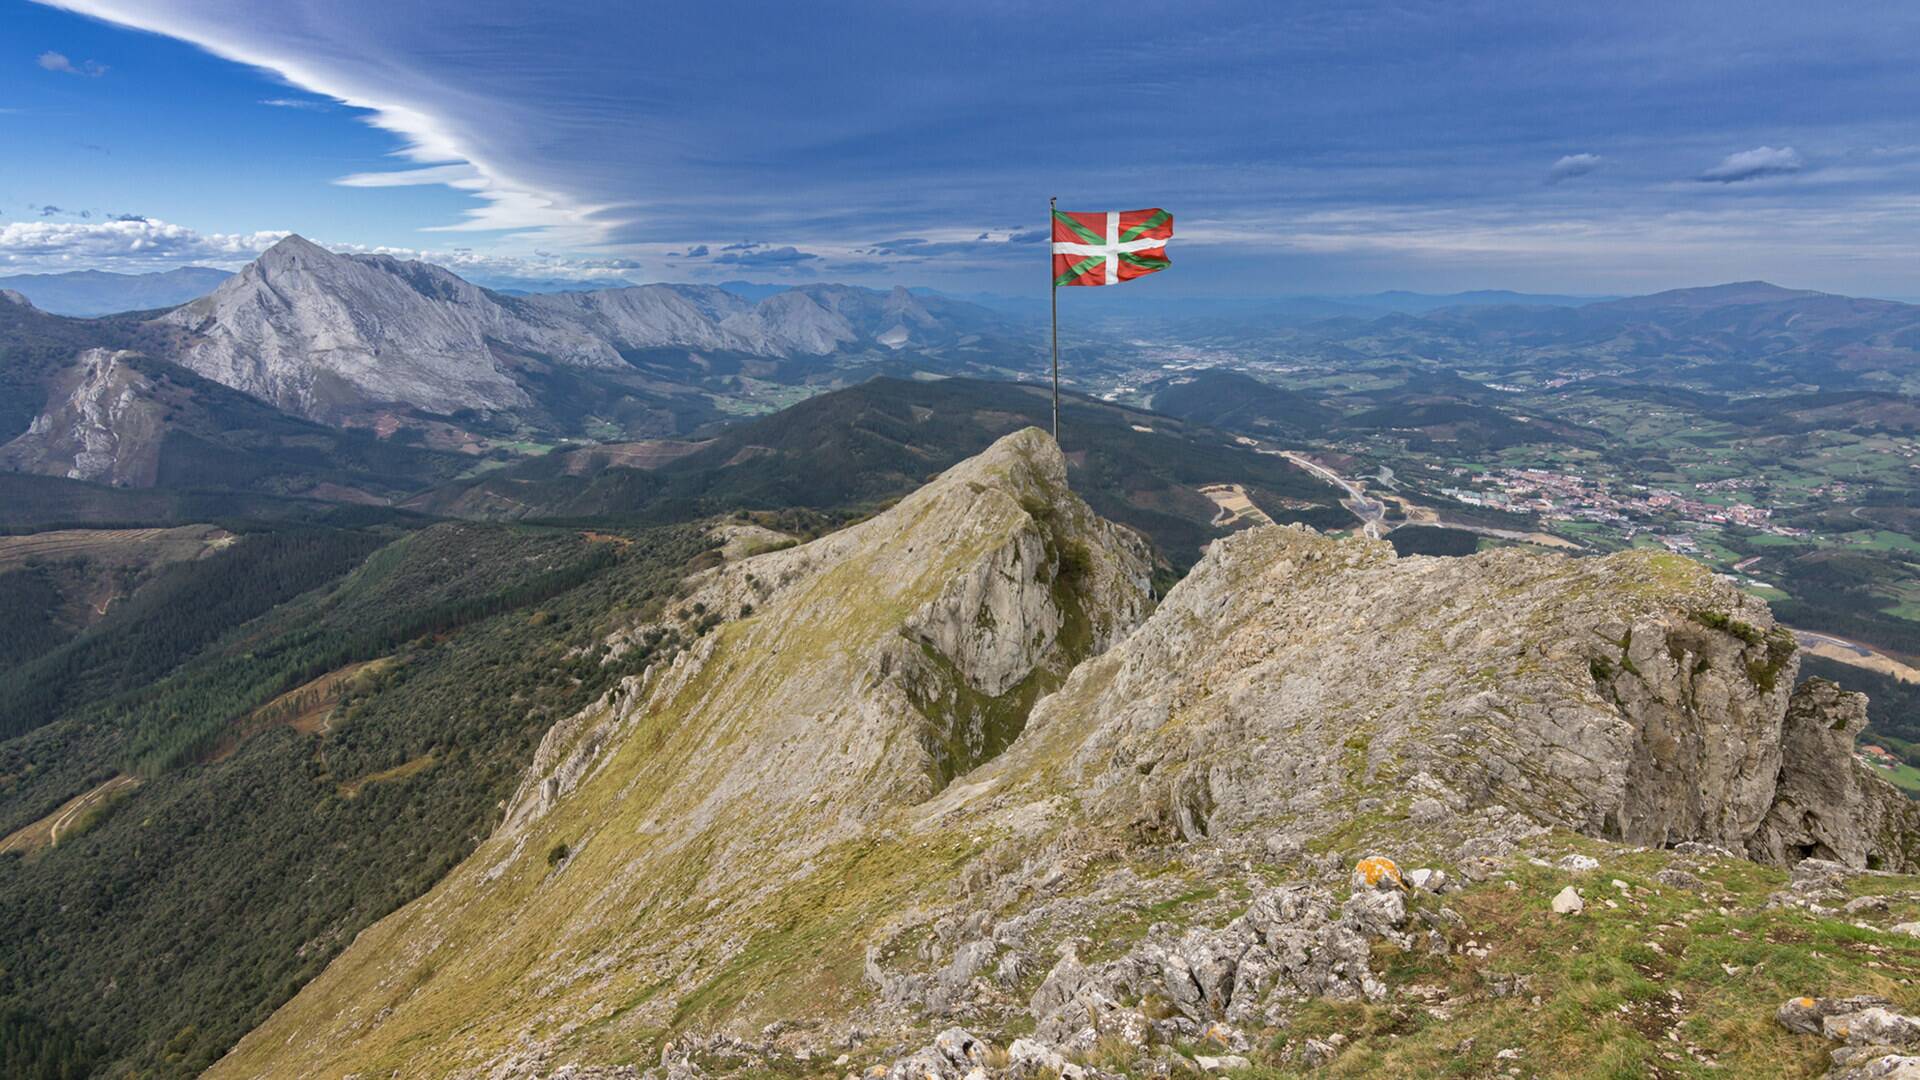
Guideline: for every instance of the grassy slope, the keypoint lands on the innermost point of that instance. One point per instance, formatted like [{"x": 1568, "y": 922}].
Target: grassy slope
[{"x": 507, "y": 911}]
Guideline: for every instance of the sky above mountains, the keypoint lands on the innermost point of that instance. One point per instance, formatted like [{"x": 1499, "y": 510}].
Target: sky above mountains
[{"x": 1304, "y": 148}]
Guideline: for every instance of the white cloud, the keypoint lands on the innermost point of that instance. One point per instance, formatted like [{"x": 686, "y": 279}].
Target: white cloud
[
  {"x": 1573, "y": 165},
  {"x": 307, "y": 104},
  {"x": 460, "y": 175},
  {"x": 1754, "y": 164},
  {"x": 134, "y": 244},
  {"x": 508, "y": 203},
  {"x": 54, "y": 61},
  {"x": 125, "y": 243}
]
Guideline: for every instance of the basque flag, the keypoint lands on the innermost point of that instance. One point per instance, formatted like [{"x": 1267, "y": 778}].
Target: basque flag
[{"x": 1109, "y": 247}]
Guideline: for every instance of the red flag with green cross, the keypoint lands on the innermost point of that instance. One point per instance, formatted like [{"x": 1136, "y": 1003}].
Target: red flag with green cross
[{"x": 1108, "y": 247}]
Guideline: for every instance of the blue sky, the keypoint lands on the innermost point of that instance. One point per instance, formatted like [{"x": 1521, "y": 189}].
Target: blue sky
[{"x": 1305, "y": 148}]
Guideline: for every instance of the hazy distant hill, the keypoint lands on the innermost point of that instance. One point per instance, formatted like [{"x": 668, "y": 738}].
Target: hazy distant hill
[
  {"x": 87, "y": 293},
  {"x": 1740, "y": 337},
  {"x": 1418, "y": 303}
]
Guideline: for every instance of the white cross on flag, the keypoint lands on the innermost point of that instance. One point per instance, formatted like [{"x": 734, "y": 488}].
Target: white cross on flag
[{"x": 1109, "y": 247}]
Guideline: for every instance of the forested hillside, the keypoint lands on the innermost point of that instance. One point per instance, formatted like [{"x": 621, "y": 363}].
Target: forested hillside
[{"x": 268, "y": 827}]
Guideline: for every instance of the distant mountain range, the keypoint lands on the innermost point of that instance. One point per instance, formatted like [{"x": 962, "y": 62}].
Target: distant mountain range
[
  {"x": 1740, "y": 337},
  {"x": 338, "y": 337},
  {"x": 1110, "y": 304},
  {"x": 88, "y": 293},
  {"x": 234, "y": 388},
  {"x": 422, "y": 358},
  {"x": 1401, "y": 300}
]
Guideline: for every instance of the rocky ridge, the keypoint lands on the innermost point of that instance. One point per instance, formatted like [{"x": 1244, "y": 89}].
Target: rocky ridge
[
  {"x": 942, "y": 769},
  {"x": 321, "y": 334}
]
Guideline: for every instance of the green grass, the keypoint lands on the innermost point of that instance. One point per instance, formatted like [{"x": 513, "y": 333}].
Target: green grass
[
  {"x": 1605, "y": 980},
  {"x": 1903, "y": 776},
  {"x": 526, "y": 447}
]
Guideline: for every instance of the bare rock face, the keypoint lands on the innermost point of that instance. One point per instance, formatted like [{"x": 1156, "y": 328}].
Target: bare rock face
[
  {"x": 100, "y": 424},
  {"x": 315, "y": 333},
  {"x": 1291, "y": 676},
  {"x": 1826, "y": 806},
  {"x": 10, "y": 296}
]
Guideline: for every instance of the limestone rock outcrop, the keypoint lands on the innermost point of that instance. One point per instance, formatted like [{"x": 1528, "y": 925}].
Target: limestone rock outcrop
[
  {"x": 1634, "y": 697},
  {"x": 101, "y": 423},
  {"x": 1826, "y": 806}
]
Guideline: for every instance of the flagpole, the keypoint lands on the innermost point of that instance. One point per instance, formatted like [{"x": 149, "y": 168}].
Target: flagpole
[{"x": 1053, "y": 287}]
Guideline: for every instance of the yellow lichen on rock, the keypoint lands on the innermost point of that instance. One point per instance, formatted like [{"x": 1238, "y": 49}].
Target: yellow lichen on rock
[{"x": 1377, "y": 872}]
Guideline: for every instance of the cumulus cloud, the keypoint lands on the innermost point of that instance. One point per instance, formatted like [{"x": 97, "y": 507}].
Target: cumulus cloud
[
  {"x": 1572, "y": 165},
  {"x": 54, "y": 61},
  {"x": 1754, "y": 164},
  {"x": 697, "y": 251},
  {"x": 120, "y": 242},
  {"x": 763, "y": 256}
]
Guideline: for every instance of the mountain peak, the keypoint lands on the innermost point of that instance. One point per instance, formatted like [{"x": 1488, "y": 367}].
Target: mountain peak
[
  {"x": 293, "y": 252},
  {"x": 294, "y": 244},
  {"x": 9, "y": 296}
]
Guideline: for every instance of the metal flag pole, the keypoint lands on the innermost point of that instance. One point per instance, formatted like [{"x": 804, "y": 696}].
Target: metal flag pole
[{"x": 1053, "y": 287}]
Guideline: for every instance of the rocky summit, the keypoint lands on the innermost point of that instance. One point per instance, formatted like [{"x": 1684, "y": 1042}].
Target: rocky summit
[{"x": 946, "y": 794}]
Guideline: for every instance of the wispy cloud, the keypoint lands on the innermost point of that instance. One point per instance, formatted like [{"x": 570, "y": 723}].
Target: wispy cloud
[
  {"x": 53, "y": 61},
  {"x": 308, "y": 104},
  {"x": 341, "y": 68},
  {"x": 455, "y": 175},
  {"x": 1572, "y": 165},
  {"x": 1754, "y": 164}
]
